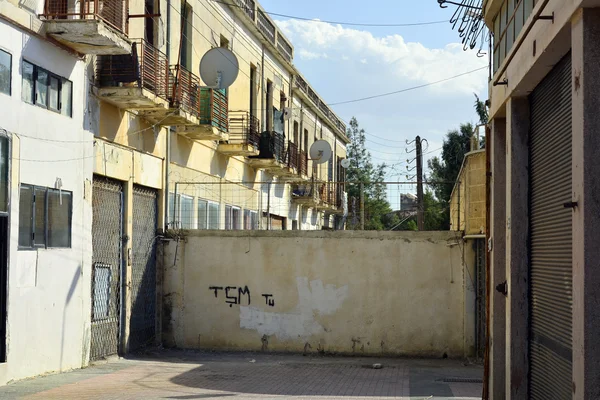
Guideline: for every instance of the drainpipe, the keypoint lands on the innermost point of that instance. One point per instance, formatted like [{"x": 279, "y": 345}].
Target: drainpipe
[
  {"x": 167, "y": 164},
  {"x": 263, "y": 87}
]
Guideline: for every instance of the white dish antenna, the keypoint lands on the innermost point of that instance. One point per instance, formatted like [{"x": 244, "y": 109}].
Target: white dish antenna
[
  {"x": 287, "y": 113},
  {"x": 345, "y": 163},
  {"x": 219, "y": 68},
  {"x": 320, "y": 152}
]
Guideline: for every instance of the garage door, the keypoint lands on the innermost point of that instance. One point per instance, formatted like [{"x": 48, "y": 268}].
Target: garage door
[{"x": 551, "y": 276}]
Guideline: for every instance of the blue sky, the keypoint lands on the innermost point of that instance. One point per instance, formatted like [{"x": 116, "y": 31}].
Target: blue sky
[{"x": 348, "y": 62}]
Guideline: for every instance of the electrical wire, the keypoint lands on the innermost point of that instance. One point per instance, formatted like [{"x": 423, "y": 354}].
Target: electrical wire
[
  {"x": 338, "y": 22},
  {"x": 407, "y": 89}
]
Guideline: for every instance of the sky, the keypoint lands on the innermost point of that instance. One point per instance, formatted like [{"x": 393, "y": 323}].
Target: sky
[{"x": 345, "y": 62}]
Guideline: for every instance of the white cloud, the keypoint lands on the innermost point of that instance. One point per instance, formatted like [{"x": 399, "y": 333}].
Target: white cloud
[{"x": 391, "y": 57}]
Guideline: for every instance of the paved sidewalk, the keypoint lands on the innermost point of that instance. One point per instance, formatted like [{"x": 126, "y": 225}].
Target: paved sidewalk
[{"x": 240, "y": 376}]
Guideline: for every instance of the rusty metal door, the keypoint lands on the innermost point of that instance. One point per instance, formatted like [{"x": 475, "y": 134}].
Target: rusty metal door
[
  {"x": 107, "y": 236},
  {"x": 550, "y": 269},
  {"x": 143, "y": 289}
]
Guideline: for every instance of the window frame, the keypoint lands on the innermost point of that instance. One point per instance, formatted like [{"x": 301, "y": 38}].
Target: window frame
[
  {"x": 10, "y": 71},
  {"x": 32, "y": 227},
  {"x": 207, "y": 216},
  {"x": 62, "y": 81},
  {"x": 229, "y": 213}
]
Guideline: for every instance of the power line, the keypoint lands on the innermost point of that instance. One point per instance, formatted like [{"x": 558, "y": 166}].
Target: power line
[
  {"x": 407, "y": 89},
  {"x": 339, "y": 22}
]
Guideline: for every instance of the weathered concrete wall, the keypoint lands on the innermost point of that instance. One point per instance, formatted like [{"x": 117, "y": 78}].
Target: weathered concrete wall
[{"x": 346, "y": 292}]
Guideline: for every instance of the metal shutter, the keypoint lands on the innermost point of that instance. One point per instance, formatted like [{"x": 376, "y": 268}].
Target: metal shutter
[{"x": 551, "y": 275}]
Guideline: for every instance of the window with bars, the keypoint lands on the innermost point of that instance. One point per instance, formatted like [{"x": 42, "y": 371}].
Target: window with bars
[
  {"x": 508, "y": 24},
  {"x": 44, "y": 217},
  {"x": 46, "y": 90}
]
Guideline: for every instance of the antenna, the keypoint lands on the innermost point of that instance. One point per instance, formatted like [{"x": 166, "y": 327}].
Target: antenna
[
  {"x": 320, "y": 152},
  {"x": 287, "y": 113},
  {"x": 345, "y": 163},
  {"x": 219, "y": 68}
]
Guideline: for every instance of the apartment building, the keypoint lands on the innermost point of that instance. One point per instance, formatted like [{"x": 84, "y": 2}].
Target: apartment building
[
  {"x": 46, "y": 159},
  {"x": 108, "y": 137},
  {"x": 544, "y": 311}
]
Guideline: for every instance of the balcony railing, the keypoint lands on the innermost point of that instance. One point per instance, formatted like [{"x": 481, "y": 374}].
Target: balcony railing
[
  {"x": 266, "y": 26},
  {"x": 292, "y": 155},
  {"x": 146, "y": 67},
  {"x": 285, "y": 48},
  {"x": 249, "y": 7},
  {"x": 244, "y": 128},
  {"x": 112, "y": 12},
  {"x": 329, "y": 193},
  {"x": 302, "y": 163},
  {"x": 272, "y": 145},
  {"x": 312, "y": 95}
]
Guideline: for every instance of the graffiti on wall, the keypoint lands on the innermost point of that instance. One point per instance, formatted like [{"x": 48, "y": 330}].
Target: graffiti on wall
[{"x": 235, "y": 295}]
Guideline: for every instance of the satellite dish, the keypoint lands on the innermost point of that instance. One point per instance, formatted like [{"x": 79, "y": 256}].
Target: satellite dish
[
  {"x": 219, "y": 68},
  {"x": 287, "y": 113},
  {"x": 320, "y": 152},
  {"x": 345, "y": 163}
]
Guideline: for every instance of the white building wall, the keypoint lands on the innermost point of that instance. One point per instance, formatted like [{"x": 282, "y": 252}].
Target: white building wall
[{"x": 48, "y": 289}]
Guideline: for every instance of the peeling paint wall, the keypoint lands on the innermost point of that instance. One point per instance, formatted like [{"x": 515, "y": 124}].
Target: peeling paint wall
[{"x": 339, "y": 292}]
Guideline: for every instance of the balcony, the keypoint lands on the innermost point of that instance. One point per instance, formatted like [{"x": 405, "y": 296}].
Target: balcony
[
  {"x": 89, "y": 26},
  {"x": 244, "y": 135},
  {"x": 307, "y": 195},
  {"x": 306, "y": 93},
  {"x": 272, "y": 154},
  {"x": 248, "y": 7},
  {"x": 196, "y": 112},
  {"x": 136, "y": 81},
  {"x": 266, "y": 27},
  {"x": 329, "y": 193},
  {"x": 285, "y": 48}
]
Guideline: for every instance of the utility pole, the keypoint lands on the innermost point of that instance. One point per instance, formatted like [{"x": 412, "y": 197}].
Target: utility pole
[{"x": 420, "y": 200}]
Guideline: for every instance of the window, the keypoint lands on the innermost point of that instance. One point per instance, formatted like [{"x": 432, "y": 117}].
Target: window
[
  {"x": 186, "y": 212},
  {"x": 232, "y": 218},
  {"x": 187, "y": 35},
  {"x": 4, "y": 162},
  {"x": 208, "y": 215},
  {"x": 46, "y": 90},
  {"x": 44, "y": 217},
  {"x": 508, "y": 24},
  {"x": 250, "y": 220},
  {"x": 5, "y": 72}
]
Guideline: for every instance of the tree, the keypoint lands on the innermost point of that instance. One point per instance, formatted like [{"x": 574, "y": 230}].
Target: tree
[
  {"x": 444, "y": 172},
  {"x": 378, "y": 213}
]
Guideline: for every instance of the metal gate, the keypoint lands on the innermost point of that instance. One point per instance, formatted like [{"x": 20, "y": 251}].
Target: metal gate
[
  {"x": 550, "y": 273},
  {"x": 107, "y": 236},
  {"x": 143, "y": 289},
  {"x": 481, "y": 282}
]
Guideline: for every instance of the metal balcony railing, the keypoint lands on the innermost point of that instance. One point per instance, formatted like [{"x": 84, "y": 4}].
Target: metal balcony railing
[
  {"x": 112, "y": 12},
  {"x": 244, "y": 128},
  {"x": 328, "y": 193},
  {"x": 292, "y": 155},
  {"x": 266, "y": 26},
  {"x": 285, "y": 48},
  {"x": 272, "y": 145},
  {"x": 146, "y": 66},
  {"x": 302, "y": 163},
  {"x": 249, "y": 7},
  {"x": 187, "y": 93}
]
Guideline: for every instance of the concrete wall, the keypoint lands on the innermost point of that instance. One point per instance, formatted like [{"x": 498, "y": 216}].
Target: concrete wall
[
  {"x": 48, "y": 289},
  {"x": 468, "y": 197},
  {"x": 343, "y": 292}
]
